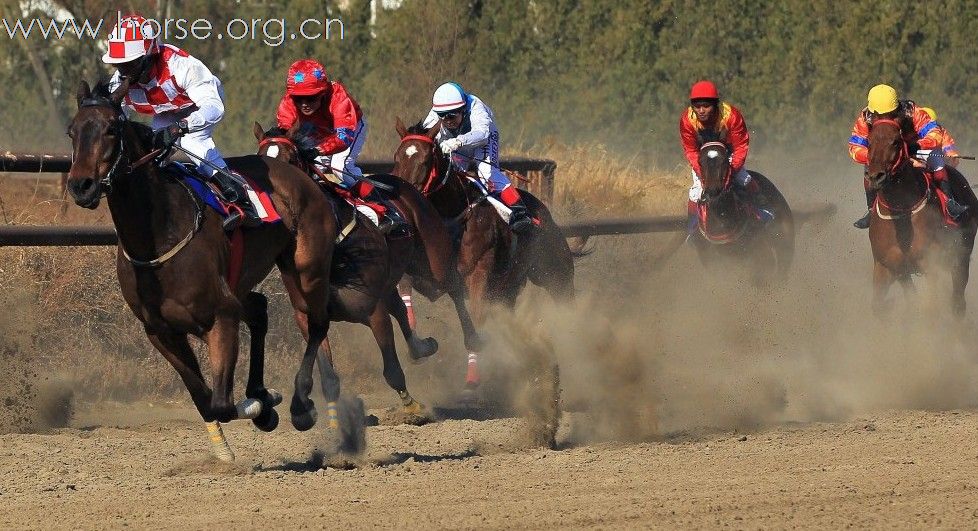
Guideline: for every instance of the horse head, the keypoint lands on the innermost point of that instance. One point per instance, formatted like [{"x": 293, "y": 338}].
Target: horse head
[
  {"x": 714, "y": 160},
  {"x": 417, "y": 159},
  {"x": 286, "y": 145},
  {"x": 888, "y": 152},
  {"x": 97, "y": 146}
]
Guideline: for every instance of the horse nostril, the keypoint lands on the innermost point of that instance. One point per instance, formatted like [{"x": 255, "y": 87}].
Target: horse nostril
[{"x": 82, "y": 187}]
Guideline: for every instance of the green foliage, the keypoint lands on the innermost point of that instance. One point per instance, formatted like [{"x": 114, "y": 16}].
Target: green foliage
[{"x": 564, "y": 70}]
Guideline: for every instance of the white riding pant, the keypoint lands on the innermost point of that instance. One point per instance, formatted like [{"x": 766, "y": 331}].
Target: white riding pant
[{"x": 344, "y": 164}]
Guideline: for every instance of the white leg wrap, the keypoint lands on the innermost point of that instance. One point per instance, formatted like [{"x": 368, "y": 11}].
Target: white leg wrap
[
  {"x": 248, "y": 408},
  {"x": 219, "y": 444}
]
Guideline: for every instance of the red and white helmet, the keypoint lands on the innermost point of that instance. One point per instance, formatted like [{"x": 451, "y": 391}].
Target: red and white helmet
[
  {"x": 131, "y": 39},
  {"x": 306, "y": 78},
  {"x": 448, "y": 97}
]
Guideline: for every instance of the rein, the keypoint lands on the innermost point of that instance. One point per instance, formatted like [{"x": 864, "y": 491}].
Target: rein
[
  {"x": 153, "y": 154},
  {"x": 903, "y": 156},
  {"x": 429, "y": 185}
]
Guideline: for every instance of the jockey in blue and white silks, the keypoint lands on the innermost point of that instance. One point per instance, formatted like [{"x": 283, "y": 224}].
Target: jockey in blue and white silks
[{"x": 470, "y": 137}]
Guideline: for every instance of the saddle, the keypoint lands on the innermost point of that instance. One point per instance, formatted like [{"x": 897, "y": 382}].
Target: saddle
[
  {"x": 373, "y": 197},
  {"x": 208, "y": 192}
]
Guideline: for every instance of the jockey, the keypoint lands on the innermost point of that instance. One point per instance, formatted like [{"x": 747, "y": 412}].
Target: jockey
[
  {"x": 337, "y": 121},
  {"x": 882, "y": 102},
  {"x": 184, "y": 98},
  {"x": 707, "y": 113},
  {"x": 947, "y": 141},
  {"x": 469, "y": 135}
]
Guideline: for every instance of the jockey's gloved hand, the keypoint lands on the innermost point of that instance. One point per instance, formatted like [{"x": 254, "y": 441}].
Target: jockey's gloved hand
[
  {"x": 166, "y": 137},
  {"x": 450, "y": 145},
  {"x": 913, "y": 148},
  {"x": 935, "y": 160}
]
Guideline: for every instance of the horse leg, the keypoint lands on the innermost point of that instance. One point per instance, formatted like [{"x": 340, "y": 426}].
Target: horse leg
[
  {"x": 404, "y": 288},
  {"x": 255, "y": 315},
  {"x": 419, "y": 348},
  {"x": 473, "y": 340},
  {"x": 380, "y": 325},
  {"x": 477, "y": 282},
  {"x": 177, "y": 351},
  {"x": 882, "y": 278}
]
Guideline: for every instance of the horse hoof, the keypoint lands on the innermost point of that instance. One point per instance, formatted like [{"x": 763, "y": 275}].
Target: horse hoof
[
  {"x": 267, "y": 421},
  {"x": 416, "y": 409},
  {"x": 272, "y": 398},
  {"x": 303, "y": 418},
  {"x": 304, "y": 421},
  {"x": 423, "y": 348}
]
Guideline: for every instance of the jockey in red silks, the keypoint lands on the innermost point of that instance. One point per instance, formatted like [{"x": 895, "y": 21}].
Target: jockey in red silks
[
  {"x": 469, "y": 135},
  {"x": 184, "y": 98},
  {"x": 337, "y": 121},
  {"x": 924, "y": 133},
  {"x": 707, "y": 113}
]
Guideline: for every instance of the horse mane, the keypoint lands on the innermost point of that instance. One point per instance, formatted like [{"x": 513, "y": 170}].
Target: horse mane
[
  {"x": 417, "y": 129},
  {"x": 103, "y": 93},
  {"x": 709, "y": 135}
]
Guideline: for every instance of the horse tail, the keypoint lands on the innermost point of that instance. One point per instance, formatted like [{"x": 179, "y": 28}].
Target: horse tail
[{"x": 578, "y": 246}]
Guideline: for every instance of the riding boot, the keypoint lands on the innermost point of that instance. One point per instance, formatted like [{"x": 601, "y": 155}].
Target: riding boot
[
  {"x": 954, "y": 209},
  {"x": 232, "y": 190},
  {"x": 863, "y": 222},
  {"x": 520, "y": 221}
]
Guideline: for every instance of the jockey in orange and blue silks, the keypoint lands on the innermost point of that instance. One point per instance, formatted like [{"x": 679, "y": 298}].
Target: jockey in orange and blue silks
[
  {"x": 926, "y": 134},
  {"x": 707, "y": 113},
  {"x": 185, "y": 100},
  {"x": 470, "y": 137}
]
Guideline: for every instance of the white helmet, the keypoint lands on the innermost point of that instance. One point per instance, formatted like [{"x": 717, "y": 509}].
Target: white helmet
[{"x": 448, "y": 97}]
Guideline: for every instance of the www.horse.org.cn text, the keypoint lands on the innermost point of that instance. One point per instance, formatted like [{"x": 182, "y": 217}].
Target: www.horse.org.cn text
[{"x": 270, "y": 31}]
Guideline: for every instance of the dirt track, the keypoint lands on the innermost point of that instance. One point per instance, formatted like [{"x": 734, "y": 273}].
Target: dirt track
[{"x": 904, "y": 469}]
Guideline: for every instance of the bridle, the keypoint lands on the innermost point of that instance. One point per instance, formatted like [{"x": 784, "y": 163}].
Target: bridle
[
  {"x": 903, "y": 156},
  {"x": 726, "y": 178},
  {"x": 155, "y": 154},
  {"x": 429, "y": 185}
]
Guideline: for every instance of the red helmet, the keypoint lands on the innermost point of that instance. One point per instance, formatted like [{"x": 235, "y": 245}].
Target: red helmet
[
  {"x": 704, "y": 90},
  {"x": 306, "y": 78}
]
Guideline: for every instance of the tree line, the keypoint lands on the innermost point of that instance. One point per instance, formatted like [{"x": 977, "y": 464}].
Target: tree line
[{"x": 567, "y": 71}]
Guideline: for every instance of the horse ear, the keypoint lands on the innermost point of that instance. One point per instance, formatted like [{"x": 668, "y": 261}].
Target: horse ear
[
  {"x": 120, "y": 92},
  {"x": 84, "y": 91},
  {"x": 434, "y": 130},
  {"x": 399, "y": 127},
  {"x": 258, "y": 130}
]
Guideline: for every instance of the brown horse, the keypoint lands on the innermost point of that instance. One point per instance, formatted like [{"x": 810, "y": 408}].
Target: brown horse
[
  {"x": 906, "y": 225},
  {"x": 728, "y": 228},
  {"x": 493, "y": 263},
  {"x": 425, "y": 252},
  {"x": 174, "y": 258}
]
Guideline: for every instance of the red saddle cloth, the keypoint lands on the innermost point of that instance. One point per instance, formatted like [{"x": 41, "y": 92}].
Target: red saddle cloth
[{"x": 355, "y": 196}]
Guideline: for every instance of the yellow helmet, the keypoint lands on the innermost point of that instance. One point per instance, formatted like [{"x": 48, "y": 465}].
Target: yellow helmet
[
  {"x": 882, "y": 99},
  {"x": 930, "y": 112}
]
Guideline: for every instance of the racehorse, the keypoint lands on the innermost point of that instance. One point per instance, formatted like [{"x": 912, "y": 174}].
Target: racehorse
[
  {"x": 728, "y": 228},
  {"x": 177, "y": 268},
  {"x": 906, "y": 224},
  {"x": 425, "y": 252},
  {"x": 494, "y": 264}
]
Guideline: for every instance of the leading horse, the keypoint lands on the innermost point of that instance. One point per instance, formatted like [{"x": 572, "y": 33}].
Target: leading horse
[
  {"x": 174, "y": 261},
  {"x": 494, "y": 264},
  {"x": 727, "y": 226},
  {"x": 906, "y": 224}
]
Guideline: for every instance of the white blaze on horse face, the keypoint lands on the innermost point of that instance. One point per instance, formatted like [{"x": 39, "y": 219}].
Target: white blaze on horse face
[
  {"x": 272, "y": 152},
  {"x": 411, "y": 151},
  {"x": 713, "y": 153}
]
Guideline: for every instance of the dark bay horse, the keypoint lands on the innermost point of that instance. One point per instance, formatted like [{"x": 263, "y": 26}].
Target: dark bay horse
[
  {"x": 493, "y": 263},
  {"x": 727, "y": 228},
  {"x": 173, "y": 261},
  {"x": 906, "y": 225},
  {"x": 425, "y": 252}
]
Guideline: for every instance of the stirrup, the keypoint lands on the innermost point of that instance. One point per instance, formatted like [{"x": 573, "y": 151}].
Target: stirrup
[
  {"x": 521, "y": 225},
  {"x": 955, "y": 209}
]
